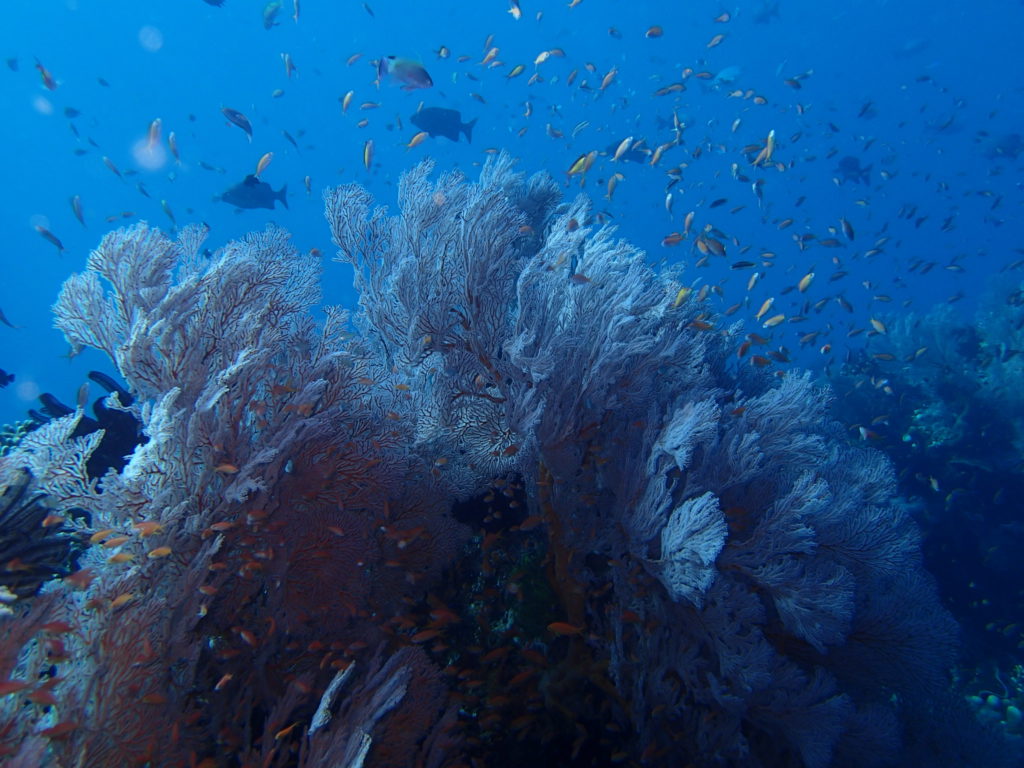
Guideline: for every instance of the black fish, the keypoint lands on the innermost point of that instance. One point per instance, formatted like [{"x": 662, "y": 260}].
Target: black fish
[
  {"x": 850, "y": 169},
  {"x": 40, "y": 551},
  {"x": 5, "y": 321},
  {"x": 5, "y": 378},
  {"x": 438, "y": 121},
  {"x": 253, "y": 193}
]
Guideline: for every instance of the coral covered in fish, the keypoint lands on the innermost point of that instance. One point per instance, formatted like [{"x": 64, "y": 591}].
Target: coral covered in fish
[
  {"x": 34, "y": 547},
  {"x": 692, "y": 568}
]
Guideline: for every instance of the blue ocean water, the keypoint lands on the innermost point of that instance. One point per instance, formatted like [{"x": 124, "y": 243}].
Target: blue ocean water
[
  {"x": 898, "y": 86},
  {"x": 927, "y": 98}
]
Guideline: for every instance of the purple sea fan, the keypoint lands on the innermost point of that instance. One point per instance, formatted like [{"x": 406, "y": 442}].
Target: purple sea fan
[
  {"x": 734, "y": 582},
  {"x": 766, "y": 567},
  {"x": 257, "y": 543}
]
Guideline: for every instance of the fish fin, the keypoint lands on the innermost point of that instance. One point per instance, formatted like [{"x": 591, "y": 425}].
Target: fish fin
[
  {"x": 467, "y": 128},
  {"x": 110, "y": 385},
  {"x": 282, "y": 195},
  {"x": 251, "y": 180}
]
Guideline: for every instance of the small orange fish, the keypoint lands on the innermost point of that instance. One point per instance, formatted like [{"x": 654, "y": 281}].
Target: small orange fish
[
  {"x": 99, "y": 535},
  {"x": 264, "y": 161},
  {"x": 60, "y": 730},
  {"x": 120, "y": 600},
  {"x": 81, "y": 579},
  {"x": 563, "y": 628},
  {"x": 147, "y": 527},
  {"x": 285, "y": 731},
  {"x": 425, "y": 636},
  {"x": 8, "y": 687},
  {"x": 764, "y": 157}
]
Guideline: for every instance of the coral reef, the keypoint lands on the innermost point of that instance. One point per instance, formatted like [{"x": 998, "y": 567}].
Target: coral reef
[
  {"x": 940, "y": 394},
  {"x": 11, "y": 434},
  {"x": 942, "y": 397},
  {"x": 718, "y": 577}
]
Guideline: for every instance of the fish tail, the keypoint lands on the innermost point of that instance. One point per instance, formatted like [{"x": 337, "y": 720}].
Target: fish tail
[
  {"x": 467, "y": 128},
  {"x": 282, "y": 195}
]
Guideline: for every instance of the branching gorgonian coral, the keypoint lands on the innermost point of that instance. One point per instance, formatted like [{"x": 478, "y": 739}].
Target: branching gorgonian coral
[{"x": 736, "y": 581}]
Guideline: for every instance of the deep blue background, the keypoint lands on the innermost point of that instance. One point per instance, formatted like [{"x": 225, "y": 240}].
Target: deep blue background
[{"x": 920, "y": 64}]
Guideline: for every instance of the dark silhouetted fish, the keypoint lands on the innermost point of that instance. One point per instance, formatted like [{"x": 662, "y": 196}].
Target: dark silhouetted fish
[
  {"x": 253, "y": 193},
  {"x": 1005, "y": 147},
  {"x": 850, "y": 169},
  {"x": 5, "y": 378},
  {"x": 214, "y": 2},
  {"x": 5, "y": 321},
  {"x": 438, "y": 121},
  {"x": 270, "y": 11}
]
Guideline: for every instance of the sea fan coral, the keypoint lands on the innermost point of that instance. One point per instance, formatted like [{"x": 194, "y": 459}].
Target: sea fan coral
[{"x": 732, "y": 584}]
